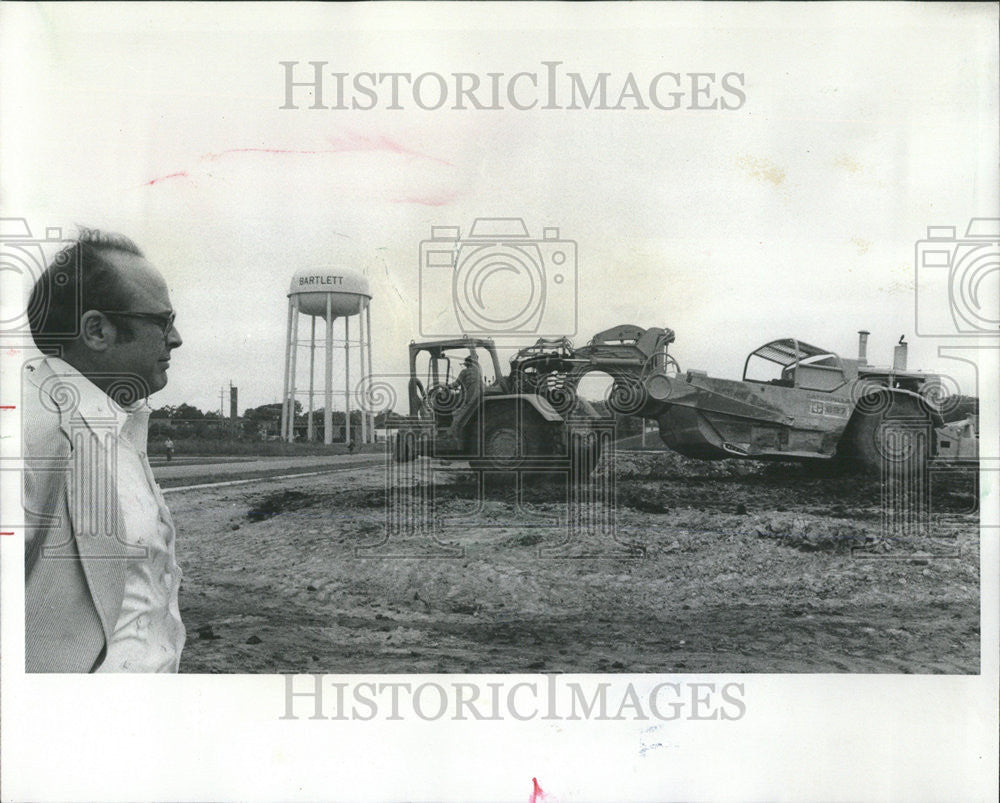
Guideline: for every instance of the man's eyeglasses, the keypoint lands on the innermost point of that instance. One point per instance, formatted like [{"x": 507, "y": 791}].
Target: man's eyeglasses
[{"x": 165, "y": 320}]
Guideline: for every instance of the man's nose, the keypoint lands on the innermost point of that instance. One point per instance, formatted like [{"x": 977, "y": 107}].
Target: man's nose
[{"x": 174, "y": 338}]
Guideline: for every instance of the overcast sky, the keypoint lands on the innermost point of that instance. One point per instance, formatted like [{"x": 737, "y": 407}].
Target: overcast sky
[{"x": 794, "y": 212}]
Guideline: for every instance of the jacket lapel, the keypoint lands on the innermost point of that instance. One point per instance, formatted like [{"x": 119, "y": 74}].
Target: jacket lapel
[{"x": 91, "y": 494}]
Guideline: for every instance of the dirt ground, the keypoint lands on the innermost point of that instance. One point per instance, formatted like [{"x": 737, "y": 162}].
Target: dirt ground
[{"x": 711, "y": 567}]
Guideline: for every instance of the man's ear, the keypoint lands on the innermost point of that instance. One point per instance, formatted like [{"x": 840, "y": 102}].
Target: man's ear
[{"x": 96, "y": 331}]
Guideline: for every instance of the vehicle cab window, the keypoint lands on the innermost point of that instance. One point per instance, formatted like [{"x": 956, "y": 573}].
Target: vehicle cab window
[{"x": 821, "y": 373}]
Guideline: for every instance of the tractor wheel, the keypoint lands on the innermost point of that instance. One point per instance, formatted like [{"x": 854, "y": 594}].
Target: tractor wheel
[
  {"x": 892, "y": 433},
  {"x": 404, "y": 449},
  {"x": 532, "y": 448},
  {"x": 510, "y": 442},
  {"x": 584, "y": 455}
]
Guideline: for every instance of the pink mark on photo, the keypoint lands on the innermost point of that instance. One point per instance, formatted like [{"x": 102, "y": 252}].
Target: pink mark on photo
[
  {"x": 537, "y": 793},
  {"x": 352, "y": 143},
  {"x": 181, "y": 174}
]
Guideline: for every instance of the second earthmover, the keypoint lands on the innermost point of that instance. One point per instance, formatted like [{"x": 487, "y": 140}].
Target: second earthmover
[{"x": 795, "y": 401}]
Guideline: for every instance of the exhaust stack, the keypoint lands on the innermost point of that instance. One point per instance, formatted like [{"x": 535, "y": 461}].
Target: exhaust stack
[
  {"x": 863, "y": 346},
  {"x": 899, "y": 355}
]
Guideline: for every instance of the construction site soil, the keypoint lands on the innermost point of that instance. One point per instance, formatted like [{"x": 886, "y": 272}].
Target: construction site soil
[{"x": 710, "y": 567}]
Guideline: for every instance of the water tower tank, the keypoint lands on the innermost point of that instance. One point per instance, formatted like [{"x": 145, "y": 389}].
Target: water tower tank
[
  {"x": 348, "y": 291},
  {"x": 332, "y": 295}
]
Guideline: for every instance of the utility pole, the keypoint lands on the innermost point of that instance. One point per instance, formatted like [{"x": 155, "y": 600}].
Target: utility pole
[{"x": 233, "y": 406}]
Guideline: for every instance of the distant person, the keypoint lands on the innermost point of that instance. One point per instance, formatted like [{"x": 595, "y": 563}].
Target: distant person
[
  {"x": 168, "y": 446},
  {"x": 350, "y": 447},
  {"x": 469, "y": 386},
  {"x": 101, "y": 580}
]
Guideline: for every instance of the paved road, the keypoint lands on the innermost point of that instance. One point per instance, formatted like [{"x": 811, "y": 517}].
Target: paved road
[
  {"x": 180, "y": 472},
  {"x": 190, "y": 460}
]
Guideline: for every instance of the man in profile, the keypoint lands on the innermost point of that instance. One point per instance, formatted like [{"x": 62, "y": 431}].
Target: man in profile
[
  {"x": 101, "y": 580},
  {"x": 469, "y": 387}
]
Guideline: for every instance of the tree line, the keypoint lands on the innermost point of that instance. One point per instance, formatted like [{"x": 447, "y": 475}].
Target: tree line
[{"x": 186, "y": 420}]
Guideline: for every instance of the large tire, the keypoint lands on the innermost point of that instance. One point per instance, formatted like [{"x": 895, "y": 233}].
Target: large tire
[
  {"x": 888, "y": 432},
  {"x": 404, "y": 447},
  {"x": 584, "y": 457},
  {"x": 511, "y": 442},
  {"x": 528, "y": 444}
]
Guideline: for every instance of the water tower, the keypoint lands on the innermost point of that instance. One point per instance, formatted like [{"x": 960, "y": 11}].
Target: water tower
[{"x": 327, "y": 293}]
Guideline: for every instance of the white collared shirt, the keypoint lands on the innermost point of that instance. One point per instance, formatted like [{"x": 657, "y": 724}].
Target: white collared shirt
[{"x": 149, "y": 634}]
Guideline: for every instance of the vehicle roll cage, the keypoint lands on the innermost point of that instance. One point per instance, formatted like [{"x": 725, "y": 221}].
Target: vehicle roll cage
[{"x": 790, "y": 353}]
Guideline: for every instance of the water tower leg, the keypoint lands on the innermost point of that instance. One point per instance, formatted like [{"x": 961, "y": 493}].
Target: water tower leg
[
  {"x": 310, "y": 429},
  {"x": 291, "y": 374},
  {"x": 362, "y": 406},
  {"x": 328, "y": 384},
  {"x": 284, "y": 389},
  {"x": 347, "y": 379},
  {"x": 368, "y": 345}
]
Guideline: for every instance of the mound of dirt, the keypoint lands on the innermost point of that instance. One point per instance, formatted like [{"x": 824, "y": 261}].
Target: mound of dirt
[
  {"x": 273, "y": 504},
  {"x": 829, "y": 535}
]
